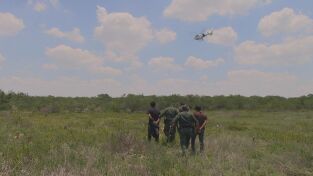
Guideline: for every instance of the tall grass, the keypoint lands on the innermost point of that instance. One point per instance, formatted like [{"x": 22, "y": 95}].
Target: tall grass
[{"x": 236, "y": 143}]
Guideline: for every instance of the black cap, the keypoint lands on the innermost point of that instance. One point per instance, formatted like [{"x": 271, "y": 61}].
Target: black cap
[
  {"x": 198, "y": 108},
  {"x": 152, "y": 104},
  {"x": 185, "y": 108}
]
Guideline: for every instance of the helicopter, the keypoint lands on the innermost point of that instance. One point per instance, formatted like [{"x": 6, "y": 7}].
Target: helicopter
[{"x": 201, "y": 36}]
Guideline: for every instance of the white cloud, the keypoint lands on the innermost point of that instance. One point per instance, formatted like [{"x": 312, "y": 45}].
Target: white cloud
[
  {"x": 54, "y": 3},
  {"x": 164, "y": 63},
  {"x": 243, "y": 82},
  {"x": 10, "y": 25},
  {"x": 165, "y": 36},
  {"x": 138, "y": 85},
  {"x": 49, "y": 66},
  {"x": 254, "y": 82},
  {"x": 40, "y": 6},
  {"x": 77, "y": 58},
  {"x": 73, "y": 35},
  {"x": 223, "y": 36},
  {"x": 2, "y": 59},
  {"x": 167, "y": 86},
  {"x": 291, "y": 51},
  {"x": 125, "y": 35},
  {"x": 190, "y": 10},
  {"x": 73, "y": 57},
  {"x": 198, "y": 63},
  {"x": 134, "y": 65},
  {"x": 63, "y": 86},
  {"x": 251, "y": 76},
  {"x": 175, "y": 86},
  {"x": 238, "y": 82},
  {"x": 122, "y": 34},
  {"x": 106, "y": 70},
  {"x": 285, "y": 21},
  {"x": 29, "y": 2}
]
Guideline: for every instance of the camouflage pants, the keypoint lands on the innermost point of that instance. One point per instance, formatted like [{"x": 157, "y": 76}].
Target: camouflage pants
[
  {"x": 153, "y": 131},
  {"x": 201, "y": 139},
  {"x": 169, "y": 132},
  {"x": 186, "y": 134}
]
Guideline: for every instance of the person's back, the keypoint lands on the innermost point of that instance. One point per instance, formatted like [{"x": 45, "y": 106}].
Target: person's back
[
  {"x": 169, "y": 114},
  {"x": 153, "y": 125},
  {"x": 186, "y": 119},
  {"x": 202, "y": 119},
  {"x": 154, "y": 114},
  {"x": 186, "y": 126}
]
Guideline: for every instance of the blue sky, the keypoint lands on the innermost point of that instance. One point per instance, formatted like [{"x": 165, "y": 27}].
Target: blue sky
[{"x": 84, "y": 48}]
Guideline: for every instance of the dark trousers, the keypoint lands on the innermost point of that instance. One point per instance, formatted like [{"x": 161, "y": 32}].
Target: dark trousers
[
  {"x": 201, "y": 139},
  {"x": 153, "y": 131},
  {"x": 186, "y": 134},
  {"x": 169, "y": 131}
]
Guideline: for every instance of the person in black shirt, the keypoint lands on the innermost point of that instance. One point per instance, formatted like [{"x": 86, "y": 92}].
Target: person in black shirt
[{"x": 154, "y": 119}]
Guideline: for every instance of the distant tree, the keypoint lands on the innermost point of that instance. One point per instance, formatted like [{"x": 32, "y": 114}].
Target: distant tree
[
  {"x": 104, "y": 97},
  {"x": 4, "y": 101},
  {"x": 310, "y": 95},
  {"x": 133, "y": 102}
]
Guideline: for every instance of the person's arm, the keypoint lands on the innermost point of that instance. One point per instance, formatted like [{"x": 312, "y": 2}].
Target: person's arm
[
  {"x": 204, "y": 123},
  {"x": 162, "y": 114},
  {"x": 150, "y": 117},
  {"x": 149, "y": 114},
  {"x": 195, "y": 121},
  {"x": 196, "y": 124},
  {"x": 174, "y": 121},
  {"x": 157, "y": 121}
]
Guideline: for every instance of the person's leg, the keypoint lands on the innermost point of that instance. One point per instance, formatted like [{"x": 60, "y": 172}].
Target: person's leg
[
  {"x": 182, "y": 141},
  {"x": 149, "y": 132},
  {"x": 193, "y": 140},
  {"x": 172, "y": 134},
  {"x": 157, "y": 134},
  {"x": 191, "y": 136},
  {"x": 201, "y": 140},
  {"x": 187, "y": 138},
  {"x": 167, "y": 131}
]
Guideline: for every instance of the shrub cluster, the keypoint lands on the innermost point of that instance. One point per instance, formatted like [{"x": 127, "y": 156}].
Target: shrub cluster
[{"x": 134, "y": 103}]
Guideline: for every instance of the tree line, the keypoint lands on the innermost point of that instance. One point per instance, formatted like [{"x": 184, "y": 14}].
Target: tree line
[{"x": 133, "y": 103}]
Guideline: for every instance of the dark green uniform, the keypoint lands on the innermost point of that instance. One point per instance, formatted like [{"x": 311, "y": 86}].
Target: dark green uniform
[
  {"x": 186, "y": 128},
  {"x": 169, "y": 114}
]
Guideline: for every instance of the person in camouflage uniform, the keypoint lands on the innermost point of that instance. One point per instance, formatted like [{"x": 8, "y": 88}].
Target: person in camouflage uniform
[
  {"x": 186, "y": 128},
  {"x": 169, "y": 114},
  {"x": 202, "y": 119}
]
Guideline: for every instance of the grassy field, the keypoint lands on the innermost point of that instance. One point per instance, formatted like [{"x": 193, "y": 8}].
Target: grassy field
[{"x": 236, "y": 143}]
